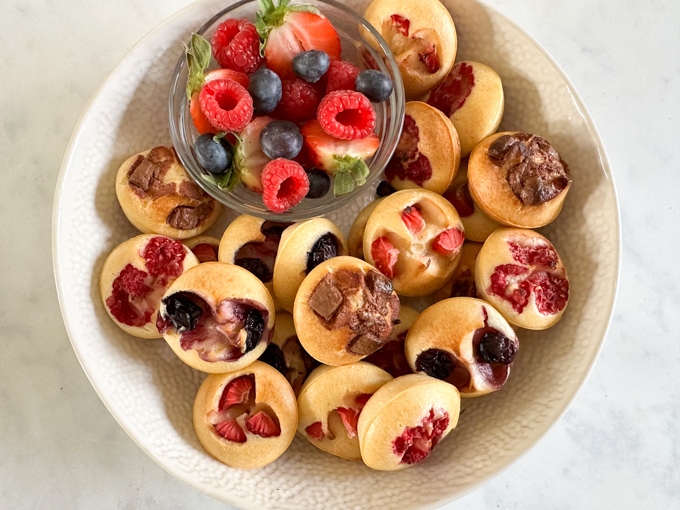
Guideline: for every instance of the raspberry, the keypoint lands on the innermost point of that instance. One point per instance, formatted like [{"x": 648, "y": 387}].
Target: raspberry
[
  {"x": 285, "y": 184},
  {"x": 347, "y": 115},
  {"x": 236, "y": 45},
  {"x": 299, "y": 101},
  {"x": 226, "y": 104},
  {"x": 341, "y": 75},
  {"x": 164, "y": 257}
]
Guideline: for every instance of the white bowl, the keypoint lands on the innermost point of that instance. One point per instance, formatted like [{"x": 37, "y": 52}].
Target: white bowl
[{"x": 150, "y": 392}]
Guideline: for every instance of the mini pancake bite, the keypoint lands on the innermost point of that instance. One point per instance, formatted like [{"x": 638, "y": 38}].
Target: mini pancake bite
[
  {"x": 246, "y": 418},
  {"x": 217, "y": 318},
  {"x": 521, "y": 274},
  {"x": 465, "y": 342},
  {"x": 135, "y": 276},
  {"x": 478, "y": 226},
  {"x": 422, "y": 37},
  {"x": 414, "y": 237},
  {"x": 518, "y": 179},
  {"x": 405, "y": 420},
  {"x": 331, "y": 402},
  {"x": 344, "y": 310},
  {"x": 391, "y": 357},
  {"x": 355, "y": 238},
  {"x": 472, "y": 96},
  {"x": 462, "y": 282},
  {"x": 428, "y": 153},
  {"x": 286, "y": 354},
  {"x": 304, "y": 245},
  {"x": 204, "y": 247},
  {"x": 252, "y": 243},
  {"x": 158, "y": 196}
]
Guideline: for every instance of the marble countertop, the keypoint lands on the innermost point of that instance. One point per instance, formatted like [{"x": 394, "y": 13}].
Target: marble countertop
[{"x": 61, "y": 449}]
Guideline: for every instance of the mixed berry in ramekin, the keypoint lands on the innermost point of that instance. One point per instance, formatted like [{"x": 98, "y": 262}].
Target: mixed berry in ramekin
[{"x": 270, "y": 128}]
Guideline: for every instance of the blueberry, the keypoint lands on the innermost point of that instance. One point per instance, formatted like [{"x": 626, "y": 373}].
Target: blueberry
[
  {"x": 281, "y": 139},
  {"x": 435, "y": 363},
  {"x": 254, "y": 326},
  {"x": 265, "y": 89},
  {"x": 311, "y": 65},
  {"x": 213, "y": 157},
  {"x": 375, "y": 85},
  {"x": 182, "y": 312},
  {"x": 273, "y": 356},
  {"x": 497, "y": 348},
  {"x": 326, "y": 247},
  {"x": 319, "y": 183}
]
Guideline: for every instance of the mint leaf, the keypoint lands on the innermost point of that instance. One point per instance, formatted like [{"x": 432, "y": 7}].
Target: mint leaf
[{"x": 198, "y": 59}]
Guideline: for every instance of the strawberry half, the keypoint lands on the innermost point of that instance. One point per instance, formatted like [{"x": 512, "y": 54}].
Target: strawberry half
[
  {"x": 315, "y": 431},
  {"x": 413, "y": 220},
  {"x": 231, "y": 431},
  {"x": 385, "y": 256},
  {"x": 263, "y": 425},
  {"x": 249, "y": 160},
  {"x": 239, "y": 391},
  {"x": 286, "y": 30},
  {"x": 346, "y": 159},
  {"x": 449, "y": 242}
]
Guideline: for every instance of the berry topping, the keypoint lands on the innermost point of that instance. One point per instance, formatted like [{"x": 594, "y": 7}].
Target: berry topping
[
  {"x": 449, "y": 242},
  {"x": 326, "y": 247},
  {"x": 341, "y": 75},
  {"x": 416, "y": 443},
  {"x": 350, "y": 418},
  {"x": 315, "y": 431},
  {"x": 408, "y": 163},
  {"x": 273, "y": 356},
  {"x": 285, "y": 184},
  {"x": 413, "y": 220},
  {"x": 164, "y": 258},
  {"x": 461, "y": 199},
  {"x": 240, "y": 390},
  {"x": 311, "y": 65},
  {"x": 494, "y": 347},
  {"x": 263, "y": 425},
  {"x": 182, "y": 312},
  {"x": 385, "y": 256},
  {"x": 231, "y": 431},
  {"x": 254, "y": 326},
  {"x": 226, "y": 104},
  {"x": 213, "y": 157},
  {"x": 319, "y": 183},
  {"x": 281, "y": 139},
  {"x": 205, "y": 252},
  {"x": 384, "y": 189},
  {"x": 375, "y": 85},
  {"x": 265, "y": 88},
  {"x": 236, "y": 45},
  {"x": 299, "y": 101},
  {"x": 126, "y": 302},
  {"x": 450, "y": 95},
  {"x": 347, "y": 115},
  {"x": 435, "y": 363}
]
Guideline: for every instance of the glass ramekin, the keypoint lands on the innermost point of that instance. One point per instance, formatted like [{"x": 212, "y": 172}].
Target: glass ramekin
[{"x": 362, "y": 45}]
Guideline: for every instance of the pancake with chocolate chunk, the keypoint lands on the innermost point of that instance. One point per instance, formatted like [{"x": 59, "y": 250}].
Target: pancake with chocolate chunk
[
  {"x": 345, "y": 310},
  {"x": 158, "y": 196}
]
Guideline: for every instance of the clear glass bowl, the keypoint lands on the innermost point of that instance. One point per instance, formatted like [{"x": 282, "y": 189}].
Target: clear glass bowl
[{"x": 361, "y": 45}]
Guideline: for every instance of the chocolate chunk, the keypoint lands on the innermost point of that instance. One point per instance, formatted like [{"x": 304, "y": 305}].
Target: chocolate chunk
[
  {"x": 184, "y": 217},
  {"x": 348, "y": 280},
  {"x": 189, "y": 189},
  {"x": 364, "y": 344},
  {"x": 534, "y": 170},
  {"x": 147, "y": 172},
  {"x": 326, "y": 298}
]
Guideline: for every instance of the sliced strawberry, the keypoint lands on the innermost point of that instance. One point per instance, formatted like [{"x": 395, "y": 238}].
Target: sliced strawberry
[
  {"x": 249, "y": 160},
  {"x": 449, "y": 242},
  {"x": 315, "y": 431},
  {"x": 263, "y": 425},
  {"x": 326, "y": 152},
  {"x": 231, "y": 431},
  {"x": 350, "y": 418},
  {"x": 238, "y": 391},
  {"x": 385, "y": 256},
  {"x": 413, "y": 220},
  {"x": 287, "y": 31}
]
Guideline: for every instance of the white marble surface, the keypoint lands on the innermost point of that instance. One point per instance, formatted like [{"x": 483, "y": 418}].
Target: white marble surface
[{"x": 618, "y": 446}]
